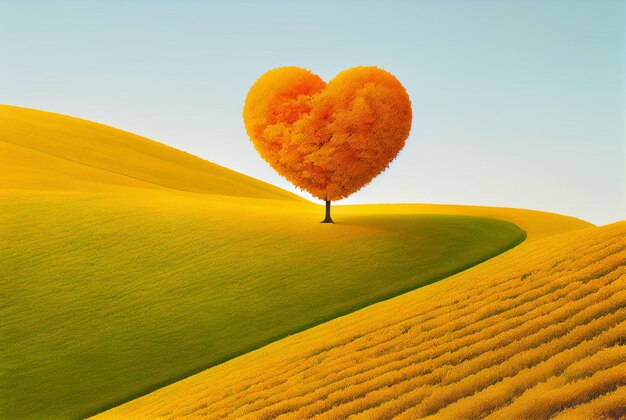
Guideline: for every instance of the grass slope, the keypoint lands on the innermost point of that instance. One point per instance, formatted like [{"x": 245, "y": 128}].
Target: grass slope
[
  {"x": 127, "y": 264},
  {"x": 537, "y": 332}
]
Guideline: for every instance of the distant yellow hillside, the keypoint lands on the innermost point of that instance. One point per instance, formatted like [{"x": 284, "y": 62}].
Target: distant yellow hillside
[
  {"x": 537, "y": 332},
  {"x": 42, "y": 150}
]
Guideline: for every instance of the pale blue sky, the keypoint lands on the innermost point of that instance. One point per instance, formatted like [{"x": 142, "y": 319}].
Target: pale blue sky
[{"x": 515, "y": 103}]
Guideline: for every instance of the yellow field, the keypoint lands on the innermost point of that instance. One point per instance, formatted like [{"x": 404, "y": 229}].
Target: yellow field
[
  {"x": 536, "y": 332},
  {"x": 128, "y": 265}
]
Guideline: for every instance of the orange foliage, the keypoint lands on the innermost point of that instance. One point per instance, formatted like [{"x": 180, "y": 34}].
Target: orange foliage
[{"x": 328, "y": 139}]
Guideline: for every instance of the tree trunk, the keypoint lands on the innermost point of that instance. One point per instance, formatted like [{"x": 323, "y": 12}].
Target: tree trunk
[{"x": 327, "y": 219}]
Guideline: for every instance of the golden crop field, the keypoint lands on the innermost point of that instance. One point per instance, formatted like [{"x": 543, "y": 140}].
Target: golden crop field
[{"x": 537, "y": 332}]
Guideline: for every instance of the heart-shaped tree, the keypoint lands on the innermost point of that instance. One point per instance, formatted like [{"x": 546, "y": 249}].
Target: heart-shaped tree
[{"x": 328, "y": 139}]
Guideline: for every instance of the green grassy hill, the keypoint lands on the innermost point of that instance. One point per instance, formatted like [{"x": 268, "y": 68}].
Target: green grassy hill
[{"x": 127, "y": 265}]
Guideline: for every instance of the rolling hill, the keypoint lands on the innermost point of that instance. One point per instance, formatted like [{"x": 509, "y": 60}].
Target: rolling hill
[
  {"x": 127, "y": 264},
  {"x": 46, "y": 151},
  {"x": 538, "y": 332}
]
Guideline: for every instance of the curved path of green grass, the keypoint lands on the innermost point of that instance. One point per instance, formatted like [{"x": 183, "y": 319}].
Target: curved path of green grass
[{"x": 108, "y": 296}]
